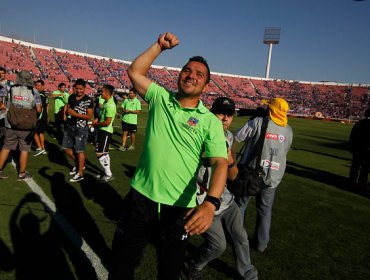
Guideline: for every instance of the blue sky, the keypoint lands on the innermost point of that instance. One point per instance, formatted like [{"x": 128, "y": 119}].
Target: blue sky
[{"x": 320, "y": 39}]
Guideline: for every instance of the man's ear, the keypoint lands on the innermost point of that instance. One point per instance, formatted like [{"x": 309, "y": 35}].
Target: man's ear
[{"x": 205, "y": 88}]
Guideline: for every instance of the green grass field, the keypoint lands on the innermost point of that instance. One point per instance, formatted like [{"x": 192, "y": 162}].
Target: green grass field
[{"x": 320, "y": 227}]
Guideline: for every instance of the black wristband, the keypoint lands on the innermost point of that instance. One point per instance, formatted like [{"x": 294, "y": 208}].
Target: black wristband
[{"x": 214, "y": 200}]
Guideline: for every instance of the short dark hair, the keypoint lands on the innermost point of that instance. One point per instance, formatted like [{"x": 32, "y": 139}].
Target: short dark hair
[
  {"x": 2, "y": 69},
  {"x": 39, "y": 82},
  {"x": 204, "y": 62},
  {"x": 133, "y": 90},
  {"x": 80, "y": 82},
  {"x": 109, "y": 88},
  {"x": 61, "y": 85}
]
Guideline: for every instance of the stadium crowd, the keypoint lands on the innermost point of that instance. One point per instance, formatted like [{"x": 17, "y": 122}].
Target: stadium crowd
[
  {"x": 342, "y": 101},
  {"x": 161, "y": 202}
]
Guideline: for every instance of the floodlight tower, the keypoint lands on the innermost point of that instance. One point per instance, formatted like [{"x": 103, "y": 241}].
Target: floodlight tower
[{"x": 271, "y": 37}]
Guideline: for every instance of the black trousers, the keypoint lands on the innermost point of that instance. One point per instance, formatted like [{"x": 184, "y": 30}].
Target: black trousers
[
  {"x": 360, "y": 167},
  {"x": 144, "y": 220}
]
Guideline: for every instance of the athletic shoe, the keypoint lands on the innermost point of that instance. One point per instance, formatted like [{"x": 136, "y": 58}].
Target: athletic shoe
[
  {"x": 193, "y": 274},
  {"x": 77, "y": 177},
  {"x": 74, "y": 170},
  {"x": 131, "y": 148},
  {"x": 100, "y": 175},
  {"x": 24, "y": 177},
  {"x": 254, "y": 246},
  {"x": 122, "y": 149},
  {"x": 261, "y": 249},
  {"x": 39, "y": 152},
  {"x": 106, "y": 178},
  {"x": 3, "y": 175}
]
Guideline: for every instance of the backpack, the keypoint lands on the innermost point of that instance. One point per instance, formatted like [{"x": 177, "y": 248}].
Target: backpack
[{"x": 21, "y": 113}]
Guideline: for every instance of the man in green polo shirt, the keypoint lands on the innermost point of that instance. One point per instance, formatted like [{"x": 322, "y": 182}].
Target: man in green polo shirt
[
  {"x": 104, "y": 123},
  {"x": 60, "y": 97},
  {"x": 131, "y": 107},
  {"x": 161, "y": 203}
]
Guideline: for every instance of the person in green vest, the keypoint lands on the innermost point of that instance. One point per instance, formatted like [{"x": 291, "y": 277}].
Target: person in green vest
[
  {"x": 104, "y": 123},
  {"x": 131, "y": 107}
]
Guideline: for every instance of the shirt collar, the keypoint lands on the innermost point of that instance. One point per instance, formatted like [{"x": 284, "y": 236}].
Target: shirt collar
[{"x": 200, "y": 108}]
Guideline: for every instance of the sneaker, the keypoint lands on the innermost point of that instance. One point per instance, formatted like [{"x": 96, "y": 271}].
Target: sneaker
[
  {"x": 193, "y": 274},
  {"x": 122, "y": 148},
  {"x": 25, "y": 176},
  {"x": 100, "y": 175},
  {"x": 261, "y": 249},
  {"x": 44, "y": 152},
  {"x": 77, "y": 177},
  {"x": 39, "y": 152},
  {"x": 74, "y": 170},
  {"x": 3, "y": 175},
  {"x": 131, "y": 148},
  {"x": 257, "y": 247},
  {"x": 106, "y": 178}
]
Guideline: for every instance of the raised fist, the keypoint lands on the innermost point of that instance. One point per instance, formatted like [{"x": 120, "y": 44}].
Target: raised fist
[{"x": 167, "y": 41}]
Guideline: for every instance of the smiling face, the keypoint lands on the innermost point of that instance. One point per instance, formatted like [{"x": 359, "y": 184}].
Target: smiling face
[
  {"x": 132, "y": 94},
  {"x": 62, "y": 88},
  {"x": 40, "y": 87},
  {"x": 193, "y": 79},
  {"x": 105, "y": 94},
  {"x": 80, "y": 90}
]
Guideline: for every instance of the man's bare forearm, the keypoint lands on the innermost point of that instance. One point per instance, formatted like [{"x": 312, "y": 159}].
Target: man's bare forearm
[
  {"x": 141, "y": 65},
  {"x": 218, "y": 177}
]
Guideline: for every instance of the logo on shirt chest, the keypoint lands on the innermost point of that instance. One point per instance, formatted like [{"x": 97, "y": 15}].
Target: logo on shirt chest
[
  {"x": 191, "y": 124},
  {"x": 192, "y": 121}
]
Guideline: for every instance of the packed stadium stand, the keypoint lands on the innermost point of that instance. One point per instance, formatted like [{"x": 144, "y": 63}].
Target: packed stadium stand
[{"x": 330, "y": 100}]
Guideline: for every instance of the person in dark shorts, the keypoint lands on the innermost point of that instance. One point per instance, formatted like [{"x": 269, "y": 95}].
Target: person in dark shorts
[
  {"x": 130, "y": 108},
  {"x": 42, "y": 123},
  {"x": 5, "y": 86},
  {"x": 60, "y": 97},
  {"x": 104, "y": 123},
  {"x": 80, "y": 110}
]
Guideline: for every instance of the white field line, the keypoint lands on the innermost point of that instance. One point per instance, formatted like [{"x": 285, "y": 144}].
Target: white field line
[{"x": 70, "y": 232}]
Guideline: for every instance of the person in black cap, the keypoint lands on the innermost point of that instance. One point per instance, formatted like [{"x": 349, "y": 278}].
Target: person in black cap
[{"x": 228, "y": 218}]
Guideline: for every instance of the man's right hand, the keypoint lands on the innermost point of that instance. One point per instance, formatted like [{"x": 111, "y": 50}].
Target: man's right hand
[
  {"x": 167, "y": 41},
  {"x": 139, "y": 68}
]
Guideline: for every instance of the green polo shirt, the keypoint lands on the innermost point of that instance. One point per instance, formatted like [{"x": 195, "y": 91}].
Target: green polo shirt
[
  {"x": 133, "y": 105},
  {"x": 108, "y": 110},
  {"x": 60, "y": 101},
  {"x": 175, "y": 140},
  {"x": 101, "y": 100}
]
